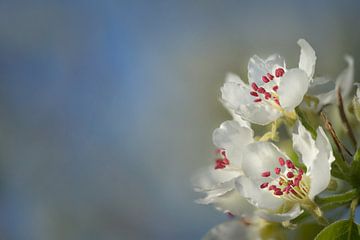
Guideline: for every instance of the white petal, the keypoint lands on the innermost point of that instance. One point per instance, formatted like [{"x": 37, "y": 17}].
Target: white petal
[
  {"x": 232, "y": 202},
  {"x": 259, "y": 198},
  {"x": 258, "y": 113},
  {"x": 209, "y": 179},
  {"x": 257, "y": 67},
  {"x": 319, "y": 171},
  {"x": 232, "y": 230},
  {"x": 260, "y": 157},
  {"x": 307, "y": 58},
  {"x": 232, "y": 137},
  {"x": 304, "y": 144},
  {"x": 281, "y": 217},
  {"x": 345, "y": 79},
  {"x": 234, "y": 92},
  {"x": 292, "y": 88}
]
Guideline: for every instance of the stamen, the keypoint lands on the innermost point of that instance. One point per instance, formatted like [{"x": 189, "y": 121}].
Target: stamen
[
  {"x": 290, "y": 175},
  {"x": 281, "y": 161},
  {"x": 257, "y": 100},
  {"x": 279, "y": 72},
  {"x": 267, "y": 95},
  {"x": 265, "y": 79},
  {"x": 261, "y": 90},
  {"x": 266, "y": 174},
  {"x": 254, "y": 86},
  {"x": 289, "y": 164},
  {"x": 277, "y": 171},
  {"x": 264, "y": 185},
  {"x": 271, "y": 77},
  {"x": 275, "y": 88},
  {"x": 255, "y": 94}
]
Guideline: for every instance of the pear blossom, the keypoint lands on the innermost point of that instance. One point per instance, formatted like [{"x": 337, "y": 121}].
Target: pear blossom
[
  {"x": 324, "y": 89},
  {"x": 217, "y": 181},
  {"x": 275, "y": 185},
  {"x": 235, "y": 229},
  {"x": 273, "y": 90}
]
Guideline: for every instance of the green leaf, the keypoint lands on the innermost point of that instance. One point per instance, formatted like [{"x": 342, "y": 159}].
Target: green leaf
[
  {"x": 338, "y": 198},
  {"x": 304, "y": 119},
  {"x": 340, "y": 230},
  {"x": 355, "y": 170}
]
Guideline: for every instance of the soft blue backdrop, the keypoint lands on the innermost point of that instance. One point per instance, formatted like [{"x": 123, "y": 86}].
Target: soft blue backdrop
[{"x": 107, "y": 107}]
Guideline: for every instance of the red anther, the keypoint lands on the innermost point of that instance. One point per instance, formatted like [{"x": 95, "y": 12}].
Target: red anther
[
  {"x": 261, "y": 90},
  {"x": 289, "y": 164},
  {"x": 296, "y": 182},
  {"x": 254, "y": 86},
  {"x": 266, "y": 174},
  {"x": 267, "y": 95},
  {"x": 275, "y": 88},
  {"x": 293, "y": 191},
  {"x": 281, "y": 161},
  {"x": 219, "y": 164},
  {"x": 277, "y": 170},
  {"x": 264, "y": 185},
  {"x": 226, "y": 161},
  {"x": 255, "y": 94},
  {"x": 278, "y": 192},
  {"x": 290, "y": 183},
  {"x": 279, "y": 72},
  {"x": 287, "y": 189},
  {"x": 271, "y": 77},
  {"x": 272, "y": 187},
  {"x": 277, "y": 101},
  {"x": 301, "y": 172},
  {"x": 265, "y": 79},
  {"x": 257, "y": 100},
  {"x": 290, "y": 175}
]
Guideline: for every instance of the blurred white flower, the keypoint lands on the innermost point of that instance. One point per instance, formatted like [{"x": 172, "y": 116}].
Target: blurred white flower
[
  {"x": 273, "y": 89},
  {"x": 231, "y": 230},
  {"x": 356, "y": 103},
  {"x": 325, "y": 89},
  {"x": 272, "y": 182},
  {"x": 217, "y": 181}
]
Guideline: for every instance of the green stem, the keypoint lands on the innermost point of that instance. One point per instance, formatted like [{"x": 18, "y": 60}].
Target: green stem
[{"x": 353, "y": 206}]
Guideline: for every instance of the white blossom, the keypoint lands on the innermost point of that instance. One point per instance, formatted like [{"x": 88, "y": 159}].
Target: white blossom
[
  {"x": 273, "y": 89},
  {"x": 272, "y": 182}
]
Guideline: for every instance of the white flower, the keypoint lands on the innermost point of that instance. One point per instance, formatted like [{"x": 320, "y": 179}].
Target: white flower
[
  {"x": 231, "y": 230},
  {"x": 274, "y": 184},
  {"x": 356, "y": 103},
  {"x": 217, "y": 181},
  {"x": 325, "y": 89},
  {"x": 273, "y": 89}
]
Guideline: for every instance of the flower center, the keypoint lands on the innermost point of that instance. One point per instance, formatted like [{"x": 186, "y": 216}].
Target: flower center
[
  {"x": 289, "y": 182},
  {"x": 268, "y": 94},
  {"x": 222, "y": 161}
]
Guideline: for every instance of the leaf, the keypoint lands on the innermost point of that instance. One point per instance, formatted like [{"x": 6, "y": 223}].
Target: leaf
[
  {"x": 340, "y": 230},
  {"x": 355, "y": 170},
  {"x": 338, "y": 198},
  {"x": 305, "y": 121}
]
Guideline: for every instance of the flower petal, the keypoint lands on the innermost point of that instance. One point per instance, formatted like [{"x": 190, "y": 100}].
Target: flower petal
[
  {"x": 208, "y": 179},
  {"x": 292, "y": 88},
  {"x": 256, "y": 196},
  {"x": 232, "y": 137},
  {"x": 307, "y": 58},
  {"x": 319, "y": 171},
  {"x": 258, "y": 113},
  {"x": 281, "y": 217},
  {"x": 235, "y": 92},
  {"x": 230, "y": 202},
  {"x": 257, "y": 67},
  {"x": 232, "y": 230},
  {"x": 304, "y": 144},
  {"x": 258, "y": 158},
  {"x": 345, "y": 79}
]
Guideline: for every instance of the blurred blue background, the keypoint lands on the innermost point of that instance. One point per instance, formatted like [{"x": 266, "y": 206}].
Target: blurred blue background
[{"x": 107, "y": 107}]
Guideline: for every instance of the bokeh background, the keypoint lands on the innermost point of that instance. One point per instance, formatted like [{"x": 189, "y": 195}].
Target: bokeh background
[{"x": 107, "y": 107}]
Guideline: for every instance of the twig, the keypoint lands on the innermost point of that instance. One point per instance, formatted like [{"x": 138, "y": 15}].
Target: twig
[
  {"x": 344, "y": 118},
  {"x": 332, "y": 132}
]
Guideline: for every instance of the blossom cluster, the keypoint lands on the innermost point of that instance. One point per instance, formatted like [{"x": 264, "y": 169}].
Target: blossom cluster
[{"x": 254, "y": 179}]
